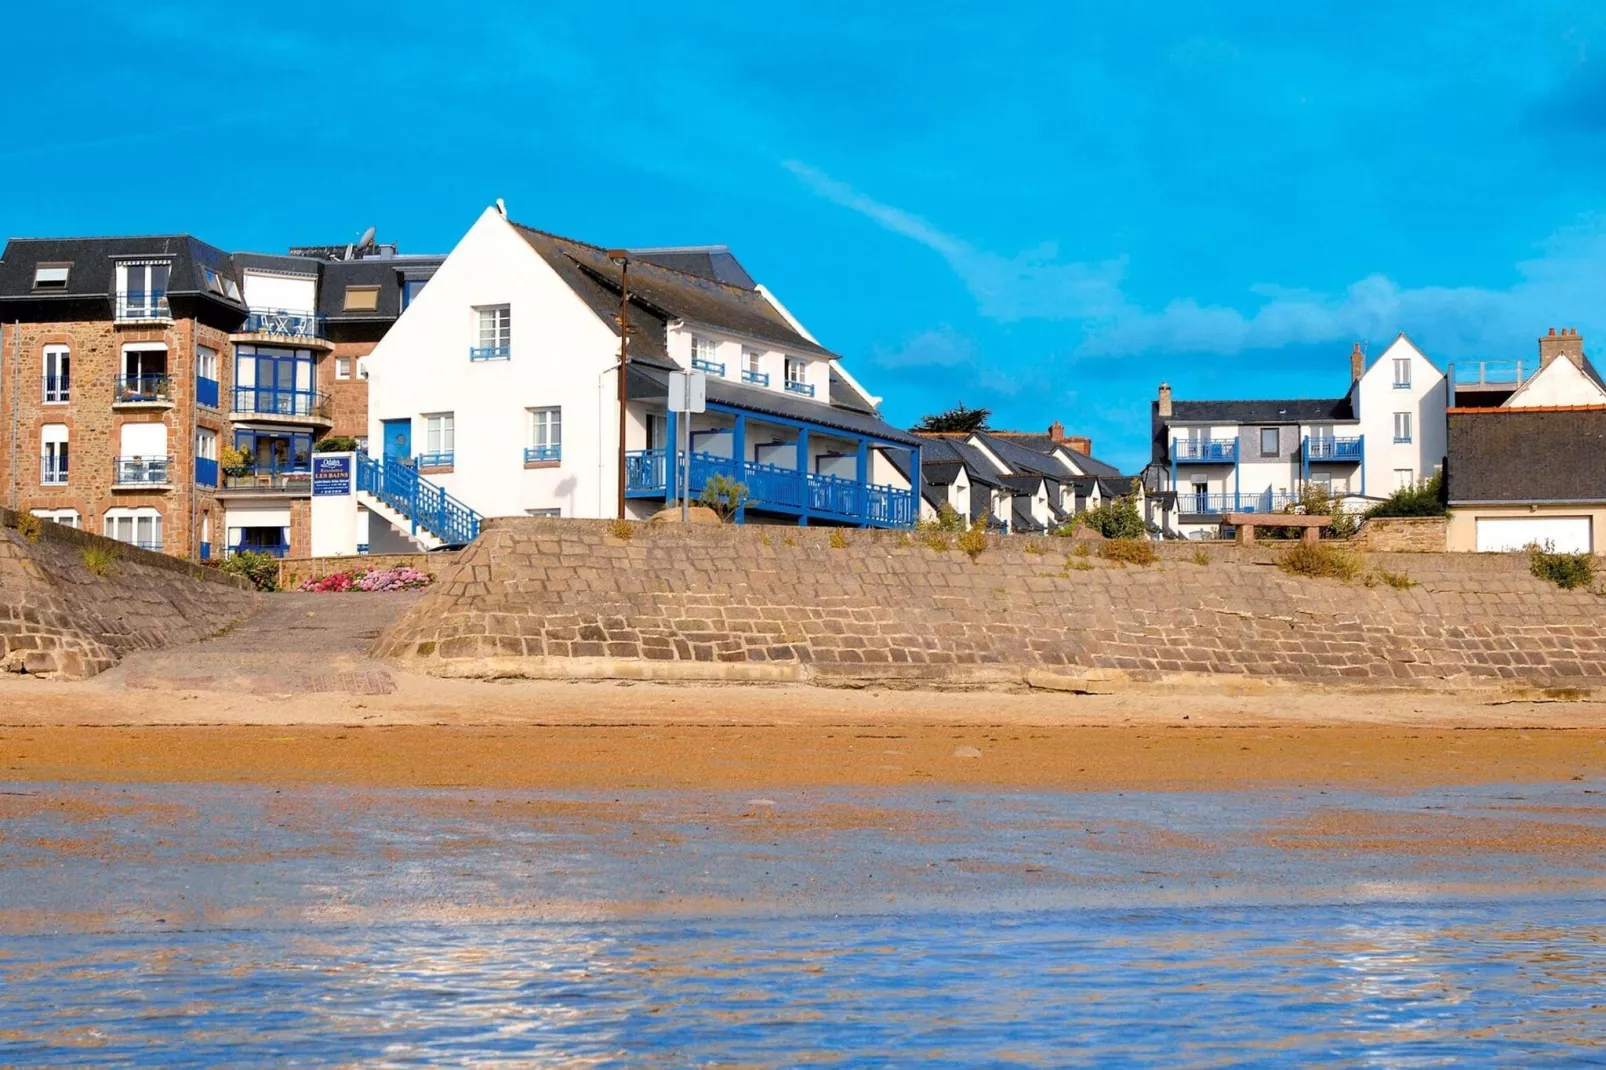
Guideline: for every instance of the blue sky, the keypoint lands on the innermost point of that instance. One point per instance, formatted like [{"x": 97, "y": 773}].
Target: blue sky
[{"x": 1045, "y": 209}]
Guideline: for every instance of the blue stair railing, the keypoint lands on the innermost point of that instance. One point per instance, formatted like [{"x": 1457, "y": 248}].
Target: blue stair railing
[{"x": 423, "y": 503}]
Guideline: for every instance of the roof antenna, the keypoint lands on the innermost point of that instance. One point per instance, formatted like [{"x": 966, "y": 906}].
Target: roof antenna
[{"x": 501, "y": 207}]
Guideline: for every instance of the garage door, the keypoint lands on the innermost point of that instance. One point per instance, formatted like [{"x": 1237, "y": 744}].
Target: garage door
[{"x": 1566, "y": 534}]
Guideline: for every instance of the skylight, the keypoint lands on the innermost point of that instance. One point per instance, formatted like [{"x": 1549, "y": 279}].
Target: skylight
[{"x": 51, "y": 276}]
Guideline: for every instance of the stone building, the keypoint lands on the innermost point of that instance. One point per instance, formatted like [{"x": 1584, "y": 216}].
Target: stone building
[{"x": 132, "y": 365}]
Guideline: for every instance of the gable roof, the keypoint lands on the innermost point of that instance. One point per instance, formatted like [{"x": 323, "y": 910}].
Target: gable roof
[
  {"x": 1527, "y": 455},
  {"x": 1041, "y": 443},
  {"x": 1288, "y": 411},
  {"x": 1020, "y": 459},
  {"x": 661, "y": 294},
  {"x": 942, "y": 448},
  {"x": 1584, "y": 369}
]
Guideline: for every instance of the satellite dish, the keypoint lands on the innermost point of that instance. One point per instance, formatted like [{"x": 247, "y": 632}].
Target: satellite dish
[
  {"x": 348, "y": 252},
  {"x": 367, "y": 238}
]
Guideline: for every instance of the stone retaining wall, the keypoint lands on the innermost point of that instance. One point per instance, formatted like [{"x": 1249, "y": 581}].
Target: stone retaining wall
[
  {"x": 561, "y": 598},
  {"x": 1404, "y": 534},
  {"x": 292, "y": 570},
  {"x": 58, "y": 618}
]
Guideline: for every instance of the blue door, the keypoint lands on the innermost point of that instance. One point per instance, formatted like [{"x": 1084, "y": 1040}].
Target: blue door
[{"x": 399, "y": 440}]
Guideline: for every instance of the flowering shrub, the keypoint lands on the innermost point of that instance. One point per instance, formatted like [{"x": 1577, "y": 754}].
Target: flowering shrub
[{"x": 405, "y": 578}]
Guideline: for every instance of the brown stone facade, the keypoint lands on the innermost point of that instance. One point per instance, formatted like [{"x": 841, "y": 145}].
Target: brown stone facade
[
  {"x": 566, "y": 598},
  {"x": 94, "y": 422},
  {"x": 348, "y": 398},
  {"x": 1404, "y": 534},
  {"x": 59, "y": 618}
]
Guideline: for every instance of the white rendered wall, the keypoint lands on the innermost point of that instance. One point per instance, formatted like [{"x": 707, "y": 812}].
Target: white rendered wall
[
  {"x": 561, "y": 356},
  {"x": 293, "y": 293},
  {"x": 1560, "y": 382},
  {"x": 1376, "y": 402}
]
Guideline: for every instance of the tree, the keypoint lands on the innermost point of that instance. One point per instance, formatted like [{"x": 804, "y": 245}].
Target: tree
[
  {"x": 723, "y": 495},
  {"x": 960, "y": 418}
]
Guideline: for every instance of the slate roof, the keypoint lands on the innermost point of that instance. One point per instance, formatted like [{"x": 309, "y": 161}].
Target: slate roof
[
  {"x": 940, "y": 474},
  {"x": 1287, "y": 411},
  {"x": 1043, "y": 444},
  {"x": 1527, "y": 455},
  {"x": 941, "y": 448},
  {"x": 1020, "y": 459},
  {"x": 94, "y": 260},
  {"x": 387, "y": 273},
  {"x": 660, "y": 294},
  {"x": 649, "y": 381},
  {"x": 712, "y": 262}
]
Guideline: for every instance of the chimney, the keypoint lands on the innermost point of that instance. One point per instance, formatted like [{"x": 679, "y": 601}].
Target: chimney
[
  {"x": 1165, "y": 400},
  {"x": 1357, "y": 363},
  {"x": 1056, "y": 432},
  {"x": 1080, "y": 444},
  {"x": 1569, "y": 343}
]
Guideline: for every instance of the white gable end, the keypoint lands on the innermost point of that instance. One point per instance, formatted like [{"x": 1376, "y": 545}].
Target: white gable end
[{"x": 1561, "y": 382}]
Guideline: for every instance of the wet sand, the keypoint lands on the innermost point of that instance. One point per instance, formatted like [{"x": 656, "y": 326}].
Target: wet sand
[{"x": 529, "y": 734}]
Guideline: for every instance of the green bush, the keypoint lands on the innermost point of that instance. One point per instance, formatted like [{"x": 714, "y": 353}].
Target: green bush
[
  {"x": 260, "y": 568},
  {"x": 1315, "y": 500},
  {"x": 948, "y": 519},
  {"x": 1118, "y": 519},
  {"x": 974, "y": 541},
  {"x": 1128, "y": 551},
  {"x": 723, "y": 495},
  {"x": 1564, "y": 570},
  {"x": 1319, "y": 559},
  {"x": 1426, "y": 498},
  {"x": 336, "y": 444}
]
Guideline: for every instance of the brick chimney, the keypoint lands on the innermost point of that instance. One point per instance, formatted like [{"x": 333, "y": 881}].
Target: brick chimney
[
  {"x": 1080, "y": 444},
  {"x": 1357, "y": 363},
  {"x": 1569, "y": 343},
  {"x": 1056, "y": 432},
  {"x": 1165, "y": 399}
]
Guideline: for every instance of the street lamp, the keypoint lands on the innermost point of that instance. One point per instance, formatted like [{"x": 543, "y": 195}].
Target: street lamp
[{"x": 622, "y": 258}]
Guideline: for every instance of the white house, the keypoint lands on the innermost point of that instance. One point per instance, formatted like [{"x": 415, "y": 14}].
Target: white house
[
  {"x": 1387, "y": 431},
  {"x": 499, "y": 385}
]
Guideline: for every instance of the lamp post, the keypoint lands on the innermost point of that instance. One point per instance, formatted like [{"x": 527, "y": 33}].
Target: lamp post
[{"x": 622, "y": 258}]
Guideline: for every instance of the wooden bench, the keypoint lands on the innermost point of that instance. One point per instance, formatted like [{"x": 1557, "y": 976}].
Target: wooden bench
[{"x": 1246, "y": 523}]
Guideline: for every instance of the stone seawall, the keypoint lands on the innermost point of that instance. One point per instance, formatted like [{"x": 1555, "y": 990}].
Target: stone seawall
[
  {"x": 58, "y": 618},
  {"x": 1408, "y": 534},
  {"x": 556, "y": 598}
]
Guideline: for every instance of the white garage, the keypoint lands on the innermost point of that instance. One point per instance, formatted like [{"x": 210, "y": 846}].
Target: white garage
[{"x": 1564, "y": 534}]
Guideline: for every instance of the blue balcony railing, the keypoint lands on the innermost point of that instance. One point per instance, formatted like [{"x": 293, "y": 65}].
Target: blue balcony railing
[
  {"x": 206, "y": 473},
  {"x": 777, "y": 489},
  {"x": 1334, "y": 449},
  {"x": 1214, "y": 504},
  {"x": 1205, "y": 450},
  {"x": 423, "y": 503},
  {"x": 270, "y": 402},
  {"x": 543, "y": 453},
  {"x": 141, "y": 471},
  {"x": 53, "y": 470},
  {"x": 439, "y": 459},
  {"x": 206, "y": 392},
  {"x": 759, "y": 378},
  {"x": 137, "y": 305},
  {"x": 151, "y": 388},
  {"x": 793, "y": 386},
  {"x": 491, "y": 353},
  {"x": 283, "y": 323},
  {"x": 709, "y": 366}
]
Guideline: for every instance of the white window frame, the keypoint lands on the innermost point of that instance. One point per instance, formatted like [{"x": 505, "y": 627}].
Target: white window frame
[
  {"x": 705, "y": 349},
  {"x": 55, "y": 455},
  {"x": 1402, "y": 427},
  {"x": 544, "y": 432},
  {"x": 1404, "y": 478},
  {"x": 440, "y": 432},
  {"x": 754, "y": 360},
  {"x": 127, "y": 525},
  {"x": 342, "y": 367},
  {"x": 60, "y": 356},
  {"x": 800, "y": 367},
  {"x": 68, "y": 518},
  {"x": 1402, "y": 373},
  {"x": 206, "y": 363},
  {"x": 494, "y": 327},
  {"x": 206, "y": 443}
]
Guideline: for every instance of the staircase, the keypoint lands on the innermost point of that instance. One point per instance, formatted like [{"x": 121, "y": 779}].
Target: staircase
[{"x": 413, "y": 504}]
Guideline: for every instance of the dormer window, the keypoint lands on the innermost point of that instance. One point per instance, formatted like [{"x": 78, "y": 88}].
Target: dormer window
[
  {"x": 752, "y": 362},
  {"x": 51, "y": 277},
  {"x": 220, "y": 284},
  {"x": 796, "y": 373},
  {"x": 142, "y": 290}
]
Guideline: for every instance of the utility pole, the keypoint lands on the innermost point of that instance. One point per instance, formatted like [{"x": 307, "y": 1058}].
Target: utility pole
[{"x": 622, "y": 258}]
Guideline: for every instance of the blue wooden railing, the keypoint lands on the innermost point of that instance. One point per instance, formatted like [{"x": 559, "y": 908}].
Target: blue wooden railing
[
  {"x": 423, "y": 503},
  {"x": 793, "y": 386},
  {"x": 712, "y": 367},
  {"x": 751, "y": 376},
  {"x": 1204, "y": 449},
  {"x": 478, "y": 353},
  {"x": 544, "y": 453},
  {"x": 776, "y": 488},
  {"x": 205, "y": 472}
]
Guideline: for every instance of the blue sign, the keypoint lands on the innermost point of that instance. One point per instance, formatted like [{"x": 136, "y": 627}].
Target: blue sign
[{"x": 331, "y": 475}]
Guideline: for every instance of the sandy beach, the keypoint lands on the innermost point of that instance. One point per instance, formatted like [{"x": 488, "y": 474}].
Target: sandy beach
[{"x": 527, "y": 734}]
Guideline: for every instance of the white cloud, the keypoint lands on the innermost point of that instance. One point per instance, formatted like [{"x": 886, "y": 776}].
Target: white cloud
[
  {"x": 1559, "y": 287},
  {"x": 1033, "y": 284}
]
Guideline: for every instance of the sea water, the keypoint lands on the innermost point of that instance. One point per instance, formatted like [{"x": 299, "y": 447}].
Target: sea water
[{"x": 181, "y": 925}]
